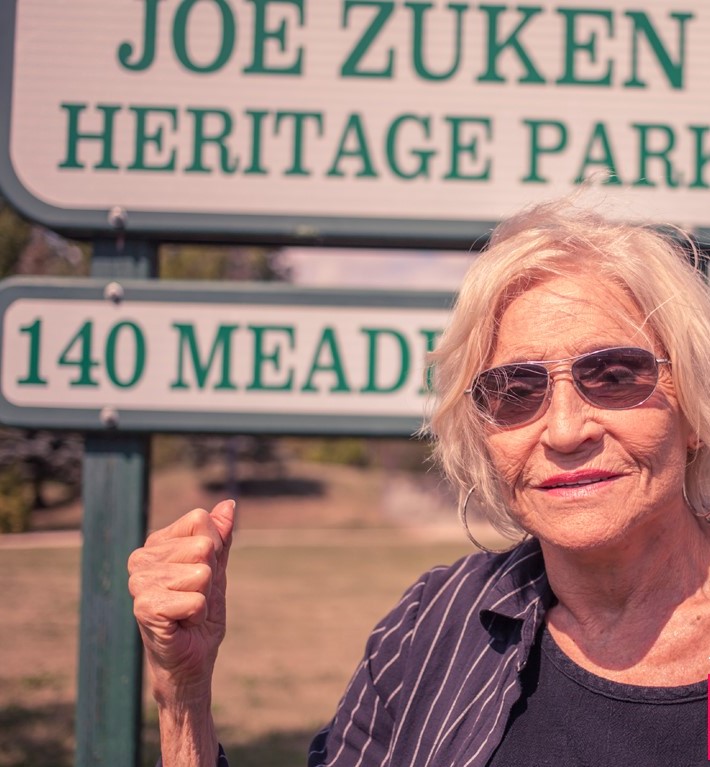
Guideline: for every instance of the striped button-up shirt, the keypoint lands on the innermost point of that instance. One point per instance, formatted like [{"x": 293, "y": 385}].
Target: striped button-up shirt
[{"x": 441, "y": 671}]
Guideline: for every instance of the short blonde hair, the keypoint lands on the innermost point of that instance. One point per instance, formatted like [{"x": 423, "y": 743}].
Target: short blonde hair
[{"x": 658, "y": 271}]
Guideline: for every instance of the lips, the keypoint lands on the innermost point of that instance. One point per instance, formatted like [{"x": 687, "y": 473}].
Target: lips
[{"x": 577, "y": 479}]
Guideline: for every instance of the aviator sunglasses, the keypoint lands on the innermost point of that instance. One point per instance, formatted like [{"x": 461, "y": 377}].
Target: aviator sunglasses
[{"x": 613, "y": 379}]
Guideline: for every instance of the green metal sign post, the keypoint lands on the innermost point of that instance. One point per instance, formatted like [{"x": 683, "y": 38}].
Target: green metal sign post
[{"x": 115, "y": 488}]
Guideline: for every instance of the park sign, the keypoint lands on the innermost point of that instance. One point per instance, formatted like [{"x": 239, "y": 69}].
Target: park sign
[
  {"x": 94, "y": 354},
  {"x": 348, "y": 121}
]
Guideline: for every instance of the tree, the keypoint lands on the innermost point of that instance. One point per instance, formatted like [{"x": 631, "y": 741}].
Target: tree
[
  {"x": 39, "y": 456},
  {"x": 31, "y": 458},
  {"x": 214, "y": 262},
  {"x": 15, "y": 233}
]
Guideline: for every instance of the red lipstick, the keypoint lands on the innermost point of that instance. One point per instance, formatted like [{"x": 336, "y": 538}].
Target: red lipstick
[{"x": 574, "y": 480}]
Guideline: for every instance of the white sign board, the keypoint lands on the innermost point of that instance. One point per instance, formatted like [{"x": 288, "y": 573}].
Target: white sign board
[
  {"x": 349, "y": 120},
  {"x": 254, "y": 358}
]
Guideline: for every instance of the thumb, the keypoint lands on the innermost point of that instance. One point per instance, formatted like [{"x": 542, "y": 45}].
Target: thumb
[{"x": 223, "y": 517}]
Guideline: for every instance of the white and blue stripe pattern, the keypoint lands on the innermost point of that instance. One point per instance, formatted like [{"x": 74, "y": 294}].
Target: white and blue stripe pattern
[{"x": 440, "y": 672}]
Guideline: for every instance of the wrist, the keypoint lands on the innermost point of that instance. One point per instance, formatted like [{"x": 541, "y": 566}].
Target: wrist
[
  {"x": 175, "y": 688},
  {"x": 187, "y": 733},
  {"x": 180, "y": 695}
]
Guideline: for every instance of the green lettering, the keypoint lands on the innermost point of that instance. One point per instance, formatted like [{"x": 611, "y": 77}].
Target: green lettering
[
  {"x": 201, "y": 138},
  {"x": 138, "y": 355},
  {"x": 180, "y": 36},
  {"x": 538, "y": 128},
  {"x": 299, "y": 120},
  {"x": 262, "y": 34},
  {"x": 33, "y": 377},
  {"x": 83, "y": 341},
  {"x": 646, "y": 133},
  {"x": 155, "y": 138},
  {"x": 423, "y": 155},
  {"x": 573, "y": 45},
  {"x": 459, "y": 148},
  {"x": 373, "y": 337},
  {"x": 257, "y": 119},
  {"x": 430, "y": 339},
  {"x": 673, "y": 70},
  {"x": 273, "y": 357},
  {"x": 126, "y": 49},
  {"x": 598, "y": 152},
  {"x": 104, "y": 136},
  {"x": 495, "y": 47},
  {"x": 355, "y": 133},
  {"x": 351, "y": 66},
  {"x": 702, "y": 157},
  {"x": 222, "y": 344},
  {"x": 419, "y": 13},
  {"x": 328, "y": 347}
]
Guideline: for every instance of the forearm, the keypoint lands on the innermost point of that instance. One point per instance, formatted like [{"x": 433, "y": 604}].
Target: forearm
[{"x": 187, "y": 734}]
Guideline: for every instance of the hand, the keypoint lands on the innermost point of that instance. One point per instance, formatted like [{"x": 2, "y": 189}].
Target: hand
[{"x": 178, "y": 582}]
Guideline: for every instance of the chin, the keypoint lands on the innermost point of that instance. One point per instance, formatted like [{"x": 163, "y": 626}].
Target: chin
[{"x": 584, "y": 538}]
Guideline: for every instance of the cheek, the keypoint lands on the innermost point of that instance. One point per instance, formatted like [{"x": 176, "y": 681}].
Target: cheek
[
  {"x": 509, "y": 453},
  {"x": 666, "y": 457}
]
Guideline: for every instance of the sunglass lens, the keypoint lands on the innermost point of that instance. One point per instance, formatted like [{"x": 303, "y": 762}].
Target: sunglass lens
[
  {"x": 616, "y": 378},
  {"x": 511, "y": 394}
]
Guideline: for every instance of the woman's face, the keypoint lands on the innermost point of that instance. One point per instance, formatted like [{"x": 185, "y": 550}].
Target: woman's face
[{"x": 580, "y": 476}]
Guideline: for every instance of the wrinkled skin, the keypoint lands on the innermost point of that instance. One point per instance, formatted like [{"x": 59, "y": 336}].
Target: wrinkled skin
[{"x": 178, "y": 582}]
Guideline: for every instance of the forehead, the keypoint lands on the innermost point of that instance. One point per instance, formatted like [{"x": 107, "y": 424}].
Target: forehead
[{"x": 565, "y": 316}]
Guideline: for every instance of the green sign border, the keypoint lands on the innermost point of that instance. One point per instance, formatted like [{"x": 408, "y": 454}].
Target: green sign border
[
  {"x": 180, "y": 226},
  {"x": 265, "y": 294}
]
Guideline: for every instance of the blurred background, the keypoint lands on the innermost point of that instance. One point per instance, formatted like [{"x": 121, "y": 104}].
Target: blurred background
[{"x": 322, "y": 523}]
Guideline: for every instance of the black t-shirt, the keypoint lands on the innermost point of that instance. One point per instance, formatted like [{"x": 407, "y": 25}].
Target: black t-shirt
[{"x": 569, "y": 717}]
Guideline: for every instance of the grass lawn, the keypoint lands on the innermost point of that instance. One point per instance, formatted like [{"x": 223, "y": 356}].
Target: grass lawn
[{"x": 300, "y": 610}]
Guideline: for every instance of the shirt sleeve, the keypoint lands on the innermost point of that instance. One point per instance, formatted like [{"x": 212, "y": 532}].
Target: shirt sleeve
[{"x": 363, "y": 728}]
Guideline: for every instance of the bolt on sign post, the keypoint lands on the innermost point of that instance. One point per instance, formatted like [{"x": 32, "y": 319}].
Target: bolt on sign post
[{"x": 353, "y": 122}]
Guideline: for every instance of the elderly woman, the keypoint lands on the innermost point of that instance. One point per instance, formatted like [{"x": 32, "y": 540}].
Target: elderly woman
[{"x": 572, "y": 405}]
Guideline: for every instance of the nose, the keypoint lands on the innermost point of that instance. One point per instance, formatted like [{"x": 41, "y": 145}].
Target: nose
[{"x": 569, "y": 420}]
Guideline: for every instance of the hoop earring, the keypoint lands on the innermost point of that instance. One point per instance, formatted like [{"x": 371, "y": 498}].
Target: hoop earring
[
  {"x": 464, "y": 521},
  {"x": 704, "y": 515}
]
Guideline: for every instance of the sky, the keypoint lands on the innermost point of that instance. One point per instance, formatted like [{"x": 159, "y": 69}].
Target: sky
[{"x": 369, "y": 268}]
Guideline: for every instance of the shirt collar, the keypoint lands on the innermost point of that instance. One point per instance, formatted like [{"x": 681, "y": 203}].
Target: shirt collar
[{"x": 521, "y": 592}]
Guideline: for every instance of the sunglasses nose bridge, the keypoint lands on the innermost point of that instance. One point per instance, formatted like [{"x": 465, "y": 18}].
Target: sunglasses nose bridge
[{"x": 560, "y": 371}]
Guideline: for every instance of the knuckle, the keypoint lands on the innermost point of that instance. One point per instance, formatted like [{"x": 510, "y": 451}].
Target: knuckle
[
  {"x": 139, "y": 584},
  {"x": 198, "y": 516},
  {"x": 198, "y": 608},
  {"x": 203, "y": 575},
  {"x": 203, "y": 548},
  {"x": 134, "y": 560},
  {"x": 154, "y": 538},
  {"x": 134, "y": 585},
  {"x": 141, "y": 609}
]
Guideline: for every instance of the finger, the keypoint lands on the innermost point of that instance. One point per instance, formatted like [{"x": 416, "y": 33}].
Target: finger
[
  {"x": 223, "y": 517},
  {"x": 188, "y": 608},
  {"x": 194, "y": 550},
  {"x": 171, "y": 577},
  {"x": 195, "y": 522}
]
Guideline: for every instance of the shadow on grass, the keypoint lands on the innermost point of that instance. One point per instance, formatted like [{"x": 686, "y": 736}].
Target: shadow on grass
[
  {"x": 40, "y": 736},
  {"x": 271, "y": 487},
  {"x": 275, "y": 749},
  {"x": 43, "y": 736}
]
